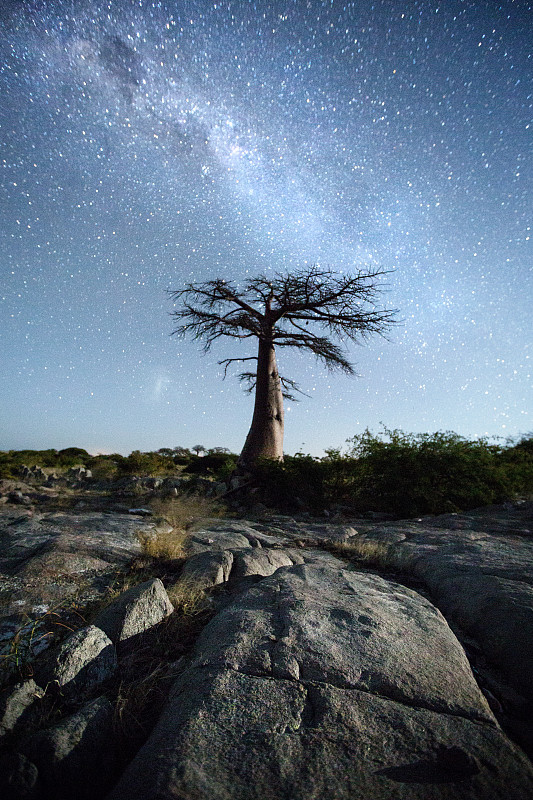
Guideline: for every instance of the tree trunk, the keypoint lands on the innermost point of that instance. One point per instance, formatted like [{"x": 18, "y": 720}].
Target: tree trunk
[{"x": 265, "y": 437}]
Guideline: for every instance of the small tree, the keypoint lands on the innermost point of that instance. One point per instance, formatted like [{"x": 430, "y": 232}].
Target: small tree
[{"x": 306, "y": 309}]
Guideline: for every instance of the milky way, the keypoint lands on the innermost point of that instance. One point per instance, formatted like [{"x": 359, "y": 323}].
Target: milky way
[{"x": 144, "y": 145}]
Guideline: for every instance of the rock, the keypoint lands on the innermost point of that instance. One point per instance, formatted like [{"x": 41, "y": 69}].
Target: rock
[
  {"x": 18, "y": 498},
  {"x": 135, "y": 611},
  {"x": 17, "y": 705},
  {"x": 75, "y": 758},
  {"x": 48, "y": 557},
  {"x": 320, "y": 682},
  {"x": 260, "y": 561},
  {"x": 228, "y": 536},
  {"x": 80, "y": 663},
  {"x": 19, "y": 778},
  {"x": 152, "y": 483},
  {"x": 208, "y": 568},
  {"x": 477, "y": 567}
]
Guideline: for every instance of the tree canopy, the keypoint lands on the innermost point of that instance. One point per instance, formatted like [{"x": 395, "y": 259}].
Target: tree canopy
[{"x": 313, "y": 309}]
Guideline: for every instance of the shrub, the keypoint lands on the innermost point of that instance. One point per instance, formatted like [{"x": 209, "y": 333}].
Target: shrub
[
  {"x": 138, "y": 463},
  {"x": 411, "y": 474},
  {"x": 295, "y": 482},
  {"x": 400, "y": 473},
  {"x": 216, "y": 464}
]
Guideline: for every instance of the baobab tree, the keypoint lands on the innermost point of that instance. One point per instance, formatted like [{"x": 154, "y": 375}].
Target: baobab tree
[{"x": 306, "y": 309}]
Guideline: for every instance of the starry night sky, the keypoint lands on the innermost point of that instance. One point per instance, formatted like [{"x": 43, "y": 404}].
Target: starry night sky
[{"x": 144, "y": 145}]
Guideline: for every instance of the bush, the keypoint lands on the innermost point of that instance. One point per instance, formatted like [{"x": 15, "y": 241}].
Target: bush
[
  {"x": 138, "y": 463},
  {"x": 104, "y": 467},
  {"x": 412, "y": 474},
  {"x": 403, "y": 474},
  {"x": 218, "y": 465},
  {"x": 295, "y": 482}
]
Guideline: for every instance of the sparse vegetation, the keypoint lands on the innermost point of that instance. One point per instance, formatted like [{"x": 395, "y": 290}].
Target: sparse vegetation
[
  {"x": 403, "y": 474},
  {"x": 369, "y": 552},
  {"x": 36, "y": 633},
  {"x": 400, "y": 473},
  {"x": 183, "y": 511},
  {"x": 187, "y": 598}
]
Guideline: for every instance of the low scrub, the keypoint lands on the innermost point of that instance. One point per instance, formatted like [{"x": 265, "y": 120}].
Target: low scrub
[
  {"x": 369, "y": 552},
  {"x": 183, "y": 512},
  {"x": 403, "y": 474}
]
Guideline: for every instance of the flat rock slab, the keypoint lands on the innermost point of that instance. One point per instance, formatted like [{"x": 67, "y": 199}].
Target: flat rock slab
[
  {"x": 232, "y": 535},
  {"x": 320, "y": 682},
  {"x": 478, "y": 568},
  {"x": 45, "y": 559}
]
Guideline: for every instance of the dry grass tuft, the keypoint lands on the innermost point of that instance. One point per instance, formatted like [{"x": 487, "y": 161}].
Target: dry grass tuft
[
  {"x": 188, "y": 598},
  {"x": 164, "y": 545},
  {"x": 184, "y": 512},
  {"x": 370, "y": 552}
]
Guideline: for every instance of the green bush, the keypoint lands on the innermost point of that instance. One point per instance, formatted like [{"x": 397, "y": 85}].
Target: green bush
[
  {"x": 219, "y": 465},
  {"x": 296, "y": 482},
  {"x": 412, "y": 474},
  {"x": 400, "y": 473},
  {"x": 138, "y": 463}
]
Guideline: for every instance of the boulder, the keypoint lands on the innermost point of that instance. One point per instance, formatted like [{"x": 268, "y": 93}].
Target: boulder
[
  {"x": 135, "y": 611},
  {"x": 208, "y": 568},
  {"x": 75, "y": 758},
  {"x": 18, "y": 498},
  {"x": 80, "y": 663},
  {"x": 320, "y": 682},
  {"x": 17, "y": 705},
  {"x": 260, "y": 561},
  {"x": 19, "y": 778}
]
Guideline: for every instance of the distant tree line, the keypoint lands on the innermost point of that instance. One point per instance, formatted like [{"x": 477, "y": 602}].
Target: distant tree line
[
  {"x": 400, "y": 473},
  {"x": 198, "y": 460}
]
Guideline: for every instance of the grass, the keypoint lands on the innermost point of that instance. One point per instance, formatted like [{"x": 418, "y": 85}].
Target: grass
[
  {"x": 187, "y": 598},
  {"x": 182, "y": 514},
  {"x": 185, "y": 511},
  {"x": 33, "y": 635},
  {"x": 142, "y": 686},
  {"x": 150, "y": 670},
  {"x": 371, "y": 553}
]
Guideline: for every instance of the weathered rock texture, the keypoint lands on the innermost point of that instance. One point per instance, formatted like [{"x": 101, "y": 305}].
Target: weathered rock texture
[
  {"x": 17, "y": 705},
  {"x": 316, "y": 678},
  {"x": 81, "y": 663},
  {"x": 135, "y": 610},
  {"x": 478, "y": 568},
  {"x": 47, "y": 559},
  {"x": 321, "y": 682},
  {"x": 75, "y": 758}
]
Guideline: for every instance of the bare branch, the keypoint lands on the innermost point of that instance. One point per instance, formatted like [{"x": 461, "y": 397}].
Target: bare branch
[
  {"x": 307, "y": 309},
  {"x": 288, "y": 386},
  {"x": 228, "y": 361}
]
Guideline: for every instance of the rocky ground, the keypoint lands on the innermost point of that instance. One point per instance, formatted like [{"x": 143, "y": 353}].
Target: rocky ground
[{"x": 357, "y": 659}]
